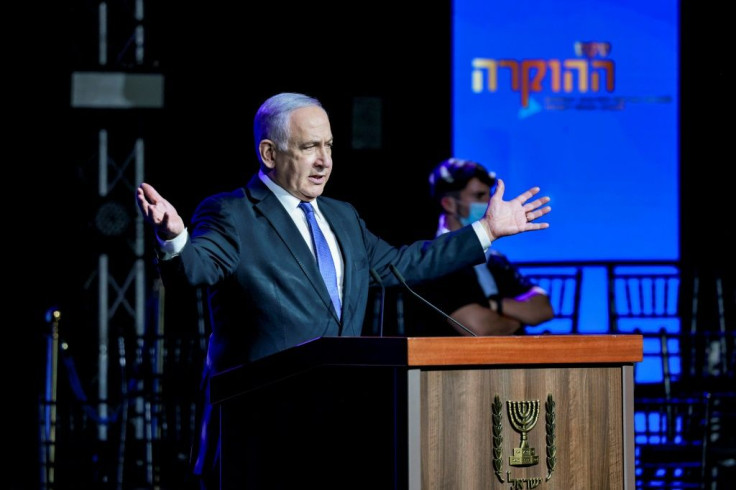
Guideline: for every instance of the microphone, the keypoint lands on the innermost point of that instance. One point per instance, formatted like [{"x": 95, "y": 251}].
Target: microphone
[
  {"x": 403, "y": 283},
  {"x": 377, "y": 278}
]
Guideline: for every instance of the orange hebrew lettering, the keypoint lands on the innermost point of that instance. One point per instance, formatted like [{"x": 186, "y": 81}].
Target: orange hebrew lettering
[
  {"x": 537, "y": 68},
  {"x": 608, "y": 67}
]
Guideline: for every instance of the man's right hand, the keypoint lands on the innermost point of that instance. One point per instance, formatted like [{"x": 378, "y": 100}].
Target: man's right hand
[{"x": 159, "y": 212}]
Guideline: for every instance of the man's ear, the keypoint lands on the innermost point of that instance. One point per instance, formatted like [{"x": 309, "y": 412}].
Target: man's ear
[
  {"x": 267, "y": 150},
  {"x": 449, "y": 205}
]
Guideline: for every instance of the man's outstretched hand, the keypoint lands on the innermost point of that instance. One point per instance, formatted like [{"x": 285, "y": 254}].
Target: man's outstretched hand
[
  {"x": 504, "y": 218},
  {"x": 159, "y": 212}
]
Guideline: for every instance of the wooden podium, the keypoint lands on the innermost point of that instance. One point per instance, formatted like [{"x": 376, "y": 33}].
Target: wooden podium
[{"x": 519, "y": 412}]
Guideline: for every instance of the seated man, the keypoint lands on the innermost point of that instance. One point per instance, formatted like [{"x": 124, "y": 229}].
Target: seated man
[{"x": 488, "y": 299}]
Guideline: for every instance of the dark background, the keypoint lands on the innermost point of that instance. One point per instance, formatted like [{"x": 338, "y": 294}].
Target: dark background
[{"x": 220, "y": 61}]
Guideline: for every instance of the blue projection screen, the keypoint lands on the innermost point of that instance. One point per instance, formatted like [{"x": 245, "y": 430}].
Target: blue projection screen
[{"x": 581, "y": 99}]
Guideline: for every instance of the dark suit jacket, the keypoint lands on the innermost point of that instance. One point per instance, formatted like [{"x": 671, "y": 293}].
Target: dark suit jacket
[{"x": 265, "y": 290}]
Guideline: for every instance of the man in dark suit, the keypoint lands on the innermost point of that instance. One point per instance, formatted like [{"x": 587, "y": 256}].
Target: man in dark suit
[{"x": 254, "y": 250}]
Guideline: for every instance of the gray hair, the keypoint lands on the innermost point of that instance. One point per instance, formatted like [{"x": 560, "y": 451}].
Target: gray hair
[{"x": 272, "y": 118}]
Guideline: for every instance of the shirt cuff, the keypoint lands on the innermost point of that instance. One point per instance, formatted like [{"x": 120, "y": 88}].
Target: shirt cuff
[
  {"x": 171, "y": 248},
  {"x": 485, "y": 240}
]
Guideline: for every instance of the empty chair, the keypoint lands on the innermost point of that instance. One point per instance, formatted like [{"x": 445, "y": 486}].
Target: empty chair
[
  {"x": 645, "y": 299},
  {"x": 563, "y": 285}
]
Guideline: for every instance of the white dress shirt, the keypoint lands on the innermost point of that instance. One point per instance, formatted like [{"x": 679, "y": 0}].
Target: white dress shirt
[
  {"x": 291, "y": 204},
  {"x": 485, "y": 278}
]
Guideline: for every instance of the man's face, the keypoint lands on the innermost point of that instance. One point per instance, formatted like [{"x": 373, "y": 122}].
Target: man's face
[
  {"x": 305, "y": 167},
  {"x": 474, "y": 191}
]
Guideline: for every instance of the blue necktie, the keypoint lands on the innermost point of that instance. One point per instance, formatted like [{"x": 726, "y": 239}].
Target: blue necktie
[{"x": 324, "y": 257}]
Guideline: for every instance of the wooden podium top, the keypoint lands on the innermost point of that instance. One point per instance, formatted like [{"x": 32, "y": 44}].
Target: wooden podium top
[
  {"x": 429, "y": 351},
  {"x": 529, "y": 349}
]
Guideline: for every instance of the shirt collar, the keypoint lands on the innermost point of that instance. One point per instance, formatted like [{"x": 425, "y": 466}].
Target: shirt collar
[{"x": 287, "y": 200}]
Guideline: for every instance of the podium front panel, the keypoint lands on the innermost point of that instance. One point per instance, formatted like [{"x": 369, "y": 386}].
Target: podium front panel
[
  {"x": 543, "y": 427},
  {"x": 501, "y": 413}
]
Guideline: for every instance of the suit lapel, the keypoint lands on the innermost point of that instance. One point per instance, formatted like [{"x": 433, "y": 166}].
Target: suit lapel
[{"x": 266, "y": 203}]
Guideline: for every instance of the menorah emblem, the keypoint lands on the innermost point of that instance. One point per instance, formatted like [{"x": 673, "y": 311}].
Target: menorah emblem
[{"x": 523, "y": 417}]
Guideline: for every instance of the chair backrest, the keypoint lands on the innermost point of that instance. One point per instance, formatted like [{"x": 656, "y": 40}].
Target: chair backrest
[
  {"x": 642, "y": 297},
  {"x": 645, "y": 300},
  {"x": 563, "y": 285}
]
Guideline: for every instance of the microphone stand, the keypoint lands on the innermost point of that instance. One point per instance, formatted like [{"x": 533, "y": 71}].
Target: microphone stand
[{"x": 403, "y": 283}]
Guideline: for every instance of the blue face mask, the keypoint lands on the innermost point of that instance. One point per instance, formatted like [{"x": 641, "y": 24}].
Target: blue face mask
[{"x": 476, "y": 212}]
